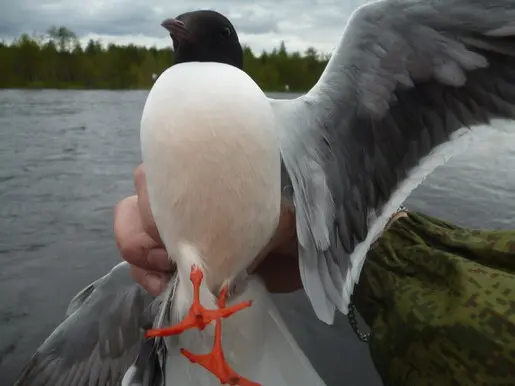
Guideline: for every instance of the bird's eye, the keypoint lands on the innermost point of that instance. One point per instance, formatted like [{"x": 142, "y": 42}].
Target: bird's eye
[{"x": 225, "y": 32}]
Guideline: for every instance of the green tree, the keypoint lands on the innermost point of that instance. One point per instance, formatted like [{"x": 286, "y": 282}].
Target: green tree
[
  {"x": 57, "y": 60},
  {"x": 64, "y": 37}
]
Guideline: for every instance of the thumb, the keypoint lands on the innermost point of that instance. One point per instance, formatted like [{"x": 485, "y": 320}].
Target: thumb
[{"x": 147, "y": 219}]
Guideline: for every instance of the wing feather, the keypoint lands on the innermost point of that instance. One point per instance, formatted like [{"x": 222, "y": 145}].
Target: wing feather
[
  {"x": 100, "y": 337},
  {"x": 405, "y": 77}
]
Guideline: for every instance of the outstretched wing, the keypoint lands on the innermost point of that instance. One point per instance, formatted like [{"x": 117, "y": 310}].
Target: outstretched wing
[
  {"x": 100, "y": 338},
  {"x": 407, "y": 77}
]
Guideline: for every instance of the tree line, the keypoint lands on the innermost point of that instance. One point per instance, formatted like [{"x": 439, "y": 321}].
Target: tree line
[{"x": 56, "y": 59}]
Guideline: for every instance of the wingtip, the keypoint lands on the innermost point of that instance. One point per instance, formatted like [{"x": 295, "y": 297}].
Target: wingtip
[
  {"x": 315, "y": 291},
  {"x": 327, "y": 315}
]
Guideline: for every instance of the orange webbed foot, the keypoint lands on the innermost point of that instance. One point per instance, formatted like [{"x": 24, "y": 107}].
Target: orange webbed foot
[
  {"x": 199, "y": 317},
  {"x": 195, "y": 316},
  {"x": 215, "y": 361}
]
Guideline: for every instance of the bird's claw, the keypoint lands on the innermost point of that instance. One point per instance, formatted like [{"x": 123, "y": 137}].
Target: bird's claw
[{"x": 200, "y": 317}]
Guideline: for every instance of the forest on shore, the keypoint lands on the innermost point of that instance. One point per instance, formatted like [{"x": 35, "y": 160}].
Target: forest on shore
[{"x": 56, "y": 59}]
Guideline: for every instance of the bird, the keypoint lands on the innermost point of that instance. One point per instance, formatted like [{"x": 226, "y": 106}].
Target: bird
[
  {"x": 211, "y": 234},
  {"x": 408, "y": 86},
  {"x": 104, "y": 338}
]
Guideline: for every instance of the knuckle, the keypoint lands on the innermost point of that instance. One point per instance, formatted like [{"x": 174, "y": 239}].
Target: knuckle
[
  {"x": 138, "y": 276},
  {"x": 128, "y": 249},
  {"x": 132, "y": 253}
]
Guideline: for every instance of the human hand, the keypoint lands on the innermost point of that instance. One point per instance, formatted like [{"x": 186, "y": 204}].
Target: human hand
[{"x": 138, "y": 240}]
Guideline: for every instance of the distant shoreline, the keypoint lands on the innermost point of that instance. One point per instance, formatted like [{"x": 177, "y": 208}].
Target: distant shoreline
[
  {"x": 72, "y": 88},
  {"x": 58, "y": 61}
]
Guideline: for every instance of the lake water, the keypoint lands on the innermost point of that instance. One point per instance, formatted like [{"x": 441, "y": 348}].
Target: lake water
[{"x": 66, "y": 157}]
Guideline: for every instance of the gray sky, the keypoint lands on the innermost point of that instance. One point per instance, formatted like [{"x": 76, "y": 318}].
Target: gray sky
[{"x": 262, "y": 24}]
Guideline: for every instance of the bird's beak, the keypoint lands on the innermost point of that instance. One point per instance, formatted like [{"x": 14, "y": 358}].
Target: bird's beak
[{"x": 177, "y": 29}]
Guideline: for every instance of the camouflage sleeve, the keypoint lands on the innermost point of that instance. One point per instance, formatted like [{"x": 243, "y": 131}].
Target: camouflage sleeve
[{"x": 440, "y": 302}]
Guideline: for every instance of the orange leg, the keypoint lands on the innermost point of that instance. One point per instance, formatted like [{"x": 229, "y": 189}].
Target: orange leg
[
  {"x": 215, "y": 361},
  {"x": 198, "y": 316}
]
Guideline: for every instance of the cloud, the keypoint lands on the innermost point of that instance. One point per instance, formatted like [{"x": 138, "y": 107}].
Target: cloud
[{"x": 262, "y": 24}]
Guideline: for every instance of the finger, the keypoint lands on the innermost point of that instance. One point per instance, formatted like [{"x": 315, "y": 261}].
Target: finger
[
  {"x": 135, "y": 245},
  {"x": 149, "y": 224},
  {"x": 153, "y": 282}
]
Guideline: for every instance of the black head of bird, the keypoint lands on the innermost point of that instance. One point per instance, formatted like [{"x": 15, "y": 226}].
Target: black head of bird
[{"x": 204, "y": 36}]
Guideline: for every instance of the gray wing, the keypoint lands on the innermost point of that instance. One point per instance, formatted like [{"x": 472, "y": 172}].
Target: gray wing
[
  {"x": 407, "y": 77},
  {"x": 100, "y": 338}
]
